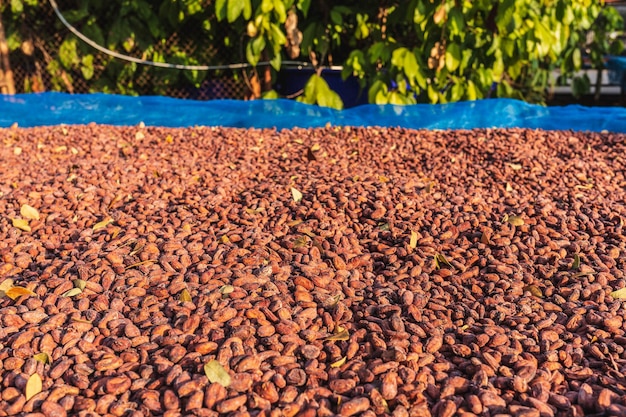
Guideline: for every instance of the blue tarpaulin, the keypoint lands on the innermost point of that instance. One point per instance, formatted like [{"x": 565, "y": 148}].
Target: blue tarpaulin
[{"x": 46, "y": 109}]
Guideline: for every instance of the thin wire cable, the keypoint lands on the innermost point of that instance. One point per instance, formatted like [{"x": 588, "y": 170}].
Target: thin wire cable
[{"x": 128, "y": 58}]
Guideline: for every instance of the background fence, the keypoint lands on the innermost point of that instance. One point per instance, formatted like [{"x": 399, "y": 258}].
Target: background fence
[{"x": 46, "y": 34}]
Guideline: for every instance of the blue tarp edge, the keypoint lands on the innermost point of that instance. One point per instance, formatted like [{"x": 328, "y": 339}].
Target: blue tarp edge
[{"x": 46, "y": 109}]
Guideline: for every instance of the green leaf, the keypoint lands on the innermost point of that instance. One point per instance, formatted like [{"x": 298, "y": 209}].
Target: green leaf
[
  {"x": 377, "y": 88},
  {"x": 216, "y": 373},
  {"x": 87, "y": 67},
  {"x": 234, "y": 9},
  {"x": 453, "y": 57},
  {"x": 397, "y": 99},
  {"x": 267, "y": 6},
  {"x": 330, "y": 99},
  {"x": 410, "y": 66},
  {"x": 303, "y": 6},
  {"x": 247, "y": 9},
  {"x": 17, "y": 7},
  {"x": 277, "y": 35},
  {"x": 576, "y": 59},
  {"x": 270, "y": 95},
  {"x": 254, "y": 49},
  {"x": 68, "y": 54},
  {"x": 397, "y": 57},
  {"x": 456, "y": 22},
  {"x": 220, "y": 9},
  {"x": 281, "y": 12},
  {"x": 275, "y": 62}
]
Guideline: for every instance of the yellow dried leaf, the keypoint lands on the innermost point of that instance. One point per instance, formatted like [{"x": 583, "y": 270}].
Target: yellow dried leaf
[
  {"x": 339, "y": 363},
  {"x": 297, "y": 195},
  {"x": 226, "y": 289},
  {"x": 42, "y": 357},
  {"x": 81, "y": 320},
  {"x": 413, "y": 241},
  {"x": 383, "y": 179},
  {"x": 332, "y": 302},
  {"x": 440, "y": 259},
  {"x": 103, "y": 224},
  {"x": 59, "y": 149},
  {"x": 576, "y": 263},
  {"x": 169, "y": 139},
  {"x": 29, "y": 212},
  {"x": 516, "y": 220},
  {"x": 33, "y": 386},
  {"x": 294, "y": 223},
  {"x": 187, "y": 228},
  {"x": 184, "y": 296},
  {"x": 342, "y": 335},
  {"x": 6, "y": 284},
  {"x": 316, "y": 147},
  {"x": 534, "y": 290},
  {"x": 116, "y": 231},
  {"x": 17, "y": 151},
  {"x": 300, "y": 242},
  {"x": 515, "y": 167},
  {"x": 136, "y": 264},
  {"x": 72, "y": 292},
  {"x": 584, "y": 187},
  {"x": 21, "y": 224},
  {"x": 216, "y": 373},
  {"x": 224, "y": 239},
  {"x": 16, "y": 292},
  {"x": 79, "y": 283},
  {"x": 620, "y": 294},
  {"x": 508, "y": 188}
]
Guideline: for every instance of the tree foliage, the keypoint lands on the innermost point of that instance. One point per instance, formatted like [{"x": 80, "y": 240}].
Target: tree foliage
[{"x": 402, "y": 52}]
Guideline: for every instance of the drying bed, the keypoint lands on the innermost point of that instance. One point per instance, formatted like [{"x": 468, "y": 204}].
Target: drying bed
[{"x": 321, "y": 272}]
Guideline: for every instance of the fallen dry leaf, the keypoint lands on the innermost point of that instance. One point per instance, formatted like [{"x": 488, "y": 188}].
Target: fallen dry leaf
[
  {"x": 15, "y": 292},
  {"x": 72, "y": 292},
  {"x": 620, "y": 294},
  {"x": 184, "y": 296},
  {"x": 29, "y": 212},
  {"x": 103, "y": 224},
  {"x": 33, "y": 386},
  {"x": 21, "y": 224},
  {"x": 216, "y": 373},
  {"x": 42, "y": 357},
  {"x": 297, "y": 195}
]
